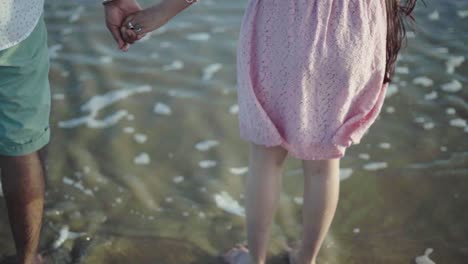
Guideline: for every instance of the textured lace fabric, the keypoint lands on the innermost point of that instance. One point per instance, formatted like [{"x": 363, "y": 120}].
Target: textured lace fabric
[
  {"x": 310, "y": 73},
  {"x": 18, "y": 18}
]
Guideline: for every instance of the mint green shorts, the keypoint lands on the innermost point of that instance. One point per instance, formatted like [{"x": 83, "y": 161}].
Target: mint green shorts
[{"x": 25, "y": 95}]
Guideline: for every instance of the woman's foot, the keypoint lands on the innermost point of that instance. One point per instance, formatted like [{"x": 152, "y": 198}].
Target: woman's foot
[
  {"x": 295, "y": 257},
  {"x": 237, "y": 255}
]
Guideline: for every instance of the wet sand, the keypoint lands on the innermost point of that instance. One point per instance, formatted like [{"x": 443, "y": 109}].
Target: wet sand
[{"x": 146, "y": 164}]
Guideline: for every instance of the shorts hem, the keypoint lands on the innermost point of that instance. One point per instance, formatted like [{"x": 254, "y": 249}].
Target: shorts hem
[{"x": 28, "y": 148}]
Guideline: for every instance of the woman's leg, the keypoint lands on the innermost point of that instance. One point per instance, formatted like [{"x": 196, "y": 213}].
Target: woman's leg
[
  {"x": 263, "y": 187},
  {"x": 321, "y": 191}
]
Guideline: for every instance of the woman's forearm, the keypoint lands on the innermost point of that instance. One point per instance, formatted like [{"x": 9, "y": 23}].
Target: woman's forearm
[{"x": 172, "y": 7}]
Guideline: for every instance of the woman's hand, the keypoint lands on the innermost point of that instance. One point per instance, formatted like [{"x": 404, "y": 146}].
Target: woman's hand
[
  {"x": 116, "y": 11},
  {"x": 136, "y": 25}
]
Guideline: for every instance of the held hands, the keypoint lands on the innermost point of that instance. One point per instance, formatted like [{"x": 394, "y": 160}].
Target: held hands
[
  {"x": 115, "y": 12},
  {"x": 136, "y": 25},
  {"x": 128, "y": 22}
]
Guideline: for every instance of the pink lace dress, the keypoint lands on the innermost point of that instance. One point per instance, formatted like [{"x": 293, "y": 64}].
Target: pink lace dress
[{"x": 310, "y": 73}]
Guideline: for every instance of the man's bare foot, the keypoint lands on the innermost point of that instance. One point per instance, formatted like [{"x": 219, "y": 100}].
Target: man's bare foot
[
  {"x": 39, "y": 260},
  {"x": 237, "y": 255},
  {"x": 14, "y": 260}
]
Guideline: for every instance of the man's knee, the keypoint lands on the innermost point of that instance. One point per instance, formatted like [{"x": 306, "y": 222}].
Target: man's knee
[{"x": 18, "y": 160}]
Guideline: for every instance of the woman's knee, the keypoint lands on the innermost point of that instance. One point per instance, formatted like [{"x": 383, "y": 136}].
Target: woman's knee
[{"x": 271, "y": 155}]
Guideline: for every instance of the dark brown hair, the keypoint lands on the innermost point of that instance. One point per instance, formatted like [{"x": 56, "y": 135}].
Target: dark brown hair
[{"x": 398, "y": 11}]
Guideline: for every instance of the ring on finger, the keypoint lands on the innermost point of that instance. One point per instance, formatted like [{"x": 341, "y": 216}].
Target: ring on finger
[{"x": 135, "y": 27}]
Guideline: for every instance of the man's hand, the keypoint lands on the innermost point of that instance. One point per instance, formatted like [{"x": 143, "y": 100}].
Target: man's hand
[{"x": 116, "y": 11}]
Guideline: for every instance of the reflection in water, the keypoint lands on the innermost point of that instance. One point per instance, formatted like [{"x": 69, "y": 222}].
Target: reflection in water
[{"x": 146, "y": 165}]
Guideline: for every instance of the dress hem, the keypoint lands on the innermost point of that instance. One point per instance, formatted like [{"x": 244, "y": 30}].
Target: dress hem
[{"x": 334, "y": 151}]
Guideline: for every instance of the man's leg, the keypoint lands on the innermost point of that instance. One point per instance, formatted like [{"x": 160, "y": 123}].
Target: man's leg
[{"x": 23, "y": 187}]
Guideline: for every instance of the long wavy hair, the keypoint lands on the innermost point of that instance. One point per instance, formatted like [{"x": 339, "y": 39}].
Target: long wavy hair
[{"x": 398, "y": 11}]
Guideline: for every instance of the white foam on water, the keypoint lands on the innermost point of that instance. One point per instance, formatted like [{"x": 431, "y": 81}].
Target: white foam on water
[
  {"x": 162, "y": 109},
  {"x": 201, "y": 36},
  {"x": 76, "y": 15},
  {"x": 64, "y": 235},
  {"x": 450, "y": 111},
  {"x": 364, "y": 156},
  {"x": 78, "y": 185},
  {"x": 424, "y": 259},
  {"x": 128, "y": 130},
  {"x": 142, "y": 159},
  {"x": 385, "y": 145},
  {"x": 169, "y": 199},
  {"x": 53, "y": 51},
  {"x": 239, "y": 171},
  {"x": 140, "y": 138},
  {"x": 462, "y": 13},
  {"x": 99, "y": 102},
  {"x": 68, "y": 181},
  {"x": 428, "y": 125},
  {"x": 206, "y": 164},
  {"x": 106, "y": 59},
  {"x": 454, "y": 62},
  {"x": 442, "y": 50},
  {"x": 423, "y": 81},
  {"x": 206, "y": 145},
  {"x": 373, "y": 166},
  {"x": 130, "y": 117},
  {"x": 175, "y": 65},
  {"x": 109, "y": 121},
  {"x": 452, "y": 87},
  {"x": 443, "y": 148},
  {"x": 201, "y": 215},
  {"x": 431, "y": 96},
  {"x": 218, "y": 29},
  {"x": 390, "y": 109},
  {"x": 356, "y": 230},
  {"x": 58, "y": 96},
  {"x": 458, "y": 122},
  {"x": 420, "y": 119},
  {"x": 178, "y": 179},
  {"x": 227, "y": 203},
  {"x": 67, "y": 30},
  {"x": 434, "y": 15},
  {"x": 402, "y": 70},
  {"x": 65, "y": 73},
  {"x": 392, "y": 89},
  {"x": 298, "y": 200},
  {"x": 210, "y": 70},
  {"x": 345, "y": 173},
  {"x": 181, "y": 93},
  {"x": 165, "y": 44},
  {"x": 185, "y": 214},
  {"x": 234, "y": 109}
]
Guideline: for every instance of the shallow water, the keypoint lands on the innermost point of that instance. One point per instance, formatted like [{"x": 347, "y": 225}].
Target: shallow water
[{"x": 146, "y": 165}]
